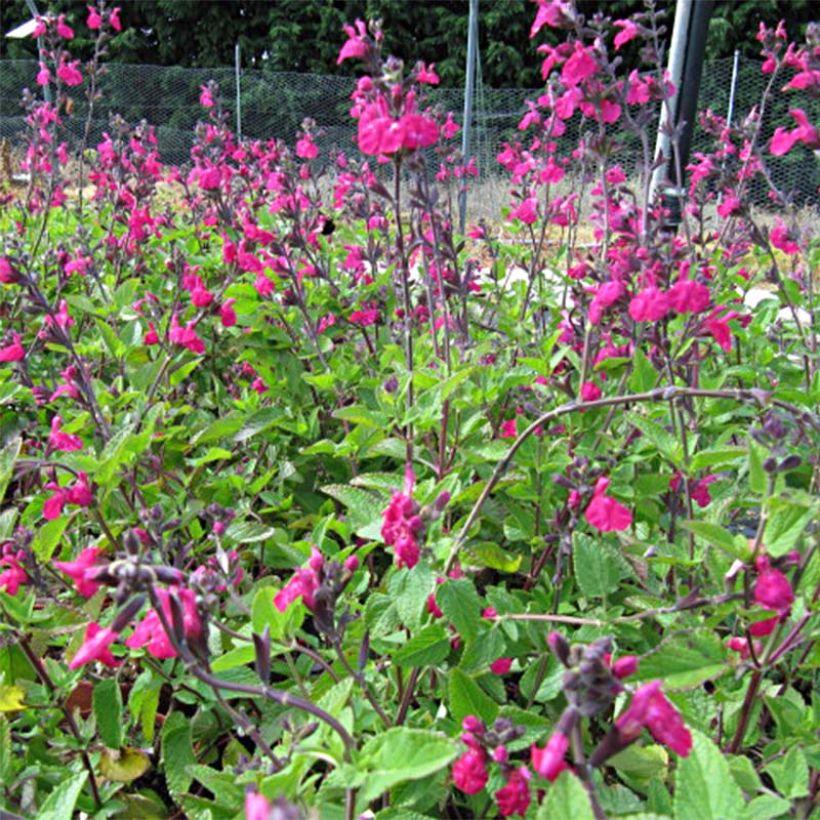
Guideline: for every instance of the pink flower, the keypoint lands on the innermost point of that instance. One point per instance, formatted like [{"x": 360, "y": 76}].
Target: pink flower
[
  {"x": 590, "y": 391},
  {"x": 94, "y": 21},
  {"x": 356, "y": 45},
  {"x": 606, "y": 295},
  {"x": 151, "y": 337},
  {"x": 303, "y": 584},
  {"x": 688, "y": 296},
  {"x": 63, "y": 442},
  {"x": 14, "y": 352},
  {"x": 527, "y": 211},
  {"x": 625, "y": 667},
  {"x": 427, "y": 74},
  {"x": 326, "y": 322},
  {"x": 718, "y": 327},
  {"x": 43, "y": 75},
  {"x": 783, "y": 141},
  {"x": 729, "y": 205},
  {"x": 773, "y": 591},
  {"x": 552, "y": 13},
  {"x": 206, "y": 99},
  {"x": 69, "y": 72},
  {"x": 8, "y": 275},
  {"x": 741, "y": 645},
  {"x": 114, "y": 19},
  {"x": 95, "y": 647},
  {"x": 604, "y": 512},
  {"x": 364, "y": 318},
  {"x": 227, "y": 314},
  {"x": 185, "y": 336},
  {"x": 63, "y": 29},
  {"x": 79, "y": 570},
  {"x": 650, "y": 305},
  {"x": 650, "y": 708},
  {"x": 509, "y": 428},
  {"x": 514, "y": 798},
  {"x": 306, "y": 149},
  {"x": 549, "y": 761},
  {"x": 401, "y": 524},
  {"x": 500, "y": 666},
  {"x": 579, "y": 67},
  {"x": 12, "y": 578},
  {"x": 629, "y": 31},
  {"x": 149, "y": 631},
  {"x": 780, "y": 237},
  {"x": 470, "y": 772},
  {"x": 256, "y": 807}
]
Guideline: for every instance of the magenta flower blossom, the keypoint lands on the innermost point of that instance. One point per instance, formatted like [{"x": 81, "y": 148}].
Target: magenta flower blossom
[
  {"x": 63, "y": 442},
  {"x": 500, "y": 666},
  {"x": 470, "y": 771},
  {"x": 604, "y": 512},
  {"x": 303, "y": 584},
  {"x": 514, "y": 798},
  {"x": 549, "y": 761},
  {"x": 69, "y": 72},
  {"x": 772, "y": 589},
  {"x": 650, "y": 305},
  {"x": 80, "y": 570},
  {"x": 402, "y": 525},
  {"x": 95, "y": 647},
  {"x": 783, "y": 141},
  {"x": 63, "y": 29},
  {"x": 14, "y": 352},
  {"x": 590, "y": 391},
  {"x": 781, "y": 238},
  {"x": 78, "y": 493},
  {"x": 14, "y": 576},
  {"x": 151, "y": 633},
  {"x": 579, "y": 67},
  {"x": 256, "y": 806},
  {"x": 552, "y": 13},
  {"x": 650, "y": 708},
  {"x": 688, "y": 296},
  {"x": 356, "y": 46},
  {"x": 629, "y": 31},
  {"x": 94, "y": 20}
]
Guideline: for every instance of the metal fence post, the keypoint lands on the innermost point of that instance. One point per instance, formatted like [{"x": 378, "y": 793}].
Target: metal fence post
[
  {"x": 237, "y": 63},
  {"x": 469, "y": 92},
  {"x": 733, "y": 89}
]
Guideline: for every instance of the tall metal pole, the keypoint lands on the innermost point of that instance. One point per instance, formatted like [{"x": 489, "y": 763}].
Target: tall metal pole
[
  {"x": 469, "y": 92},
  {"x": 237, "y": 62},
  {"x": 733, "y": 89},
  {"x": 678, "y": 114}
]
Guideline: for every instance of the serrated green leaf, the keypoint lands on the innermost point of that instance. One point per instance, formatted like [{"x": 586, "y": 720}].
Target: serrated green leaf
[
  {"x": 597, "y": 570},
  {"x": 429, "y": 646},
  {"x": 410, "y": 589},
  {"x": 785, "y": 524},
  {"x": 704, "y": 787},
  {"x": 107, "y": 702},
  {"x": 685, "y": 660},
  {"x": 791, "y": 774},
  {"x": 718, "y": 536},
  {"x": 258, "y": 422},
  {"x": 8, "y": 455},
  {"x": 59, "y": 805},
  {"x": 365, "y": 508},
  {"x": 177, "y": 753},
  {"x": 401, "y": 754},
  {"x": 461, "y": 605},
  {"x": 717, "y": 457},
  {"x": 489, "y": 554},
  {"x": 179, "y": 374},
  {"x": 466, "y": 697},
  {"x": 566, "y": 797},
  {"x": 766, "y": 807}
]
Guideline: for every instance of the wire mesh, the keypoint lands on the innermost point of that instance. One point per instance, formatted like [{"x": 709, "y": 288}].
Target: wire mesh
[{"x": 274, "y": 104}]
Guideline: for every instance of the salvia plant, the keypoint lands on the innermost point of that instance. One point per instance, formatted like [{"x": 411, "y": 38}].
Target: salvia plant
[{"x": 314, "y": 507}]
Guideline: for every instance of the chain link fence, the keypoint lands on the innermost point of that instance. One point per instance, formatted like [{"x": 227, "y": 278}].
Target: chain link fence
[{"x": 274, "y": 104}]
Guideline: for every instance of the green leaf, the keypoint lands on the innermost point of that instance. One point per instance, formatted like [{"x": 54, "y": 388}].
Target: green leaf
[
  {"x": 48, "y": 537},
  {"x": 757, "y": 475},
  {"x": 8, "y": 455},
  {"x": 704, "y": 786},
  {"x": 718, "y": 536},
  {"x": 466, "y": 697},
  {"x": 685, "y": 660},
  {"x": 429, "y": 646},
  {"x": 60, "y": 803},
  {"x": 668, "y": 446},
  {"x": 461, "y": 605},
  {"x": 489, "y": 554},
  {"x": 366, "y": 508},
  {"x": 644, "y": 374},
  {"x": 786, "y": 523},
  {"x": 5, "y": 750},
  {"x": 597, "y": 569},
  {"x": 401, "y": 754},
  {"x": 717, "y": 457},
  {"x": 183, "y": 371},
  {"x": 264, "y": 613},
  {"x": 177, "y": 753},
  {"x": 791, "y": 774},
  {"x": 410, "y": 589},
  {"x": 257, "y": 422},
  {"x": 766, "y": 807},
  {"x": 107, "y": 702},
  {"x": 123, "y": 766},
  {"x": 566, "y": 798}
]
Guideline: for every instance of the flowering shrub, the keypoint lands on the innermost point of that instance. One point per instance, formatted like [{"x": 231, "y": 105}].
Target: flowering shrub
[{"x": 306, "y": 511}]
